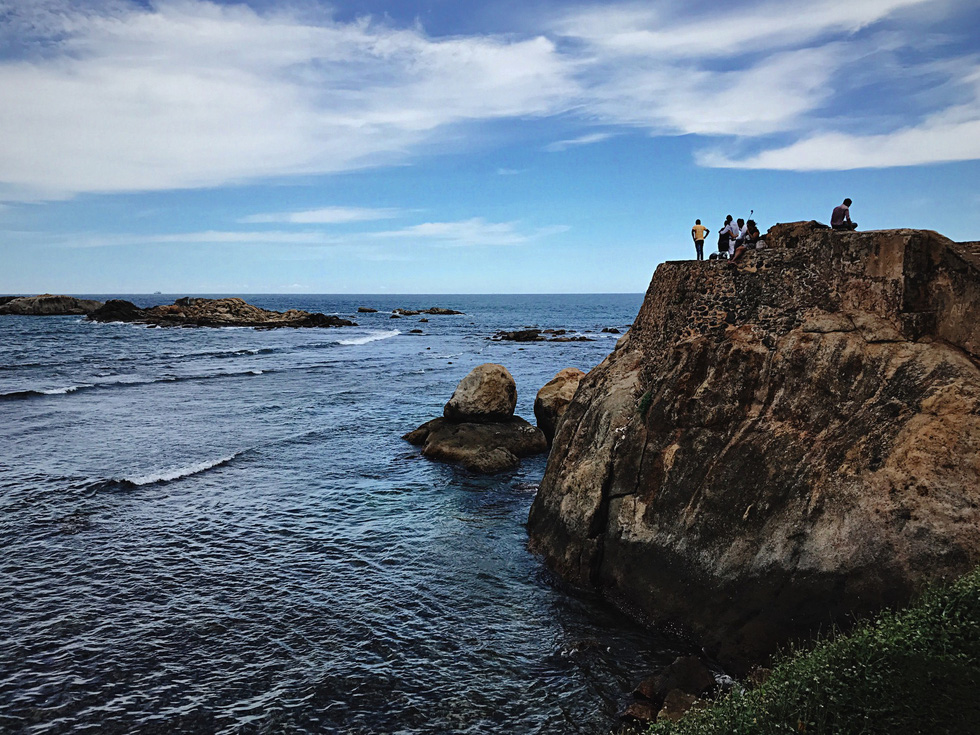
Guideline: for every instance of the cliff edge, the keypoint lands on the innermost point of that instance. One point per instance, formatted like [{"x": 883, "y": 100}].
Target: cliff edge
[{"x": 778, "y": 444}]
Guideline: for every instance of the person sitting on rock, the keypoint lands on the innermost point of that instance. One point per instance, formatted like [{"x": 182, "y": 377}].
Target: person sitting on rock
[
  {"x": 841, "y": 217},
  {"x": 750, "y": 241}
]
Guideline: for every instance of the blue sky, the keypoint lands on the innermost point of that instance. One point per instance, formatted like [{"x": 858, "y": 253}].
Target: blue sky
[{"x": 446, "y": 147}]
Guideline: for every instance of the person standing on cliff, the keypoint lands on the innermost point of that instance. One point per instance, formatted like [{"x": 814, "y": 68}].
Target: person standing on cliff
[
  {"x": 841, "y": 218},
  {"x": 698, "y": 232}
]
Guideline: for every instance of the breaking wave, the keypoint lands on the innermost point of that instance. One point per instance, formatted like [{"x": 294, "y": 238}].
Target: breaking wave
[
  {"x": 373, "y": 337},
  {"x": 177, "y": 473}
]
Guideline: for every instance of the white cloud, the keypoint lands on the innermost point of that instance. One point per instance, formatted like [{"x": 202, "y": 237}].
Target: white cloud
[
  {"x": 476, "y": 231},
  {"x": 561, "y": 145},
  {"x": 194, "y": 94},
  {"x": 113, "y": 96},
  {"x": 323, "y": 216},
  {"x": 952, "y": 134}
]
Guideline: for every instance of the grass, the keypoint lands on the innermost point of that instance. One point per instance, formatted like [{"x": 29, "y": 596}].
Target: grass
[{"x": 912, "y": 671}]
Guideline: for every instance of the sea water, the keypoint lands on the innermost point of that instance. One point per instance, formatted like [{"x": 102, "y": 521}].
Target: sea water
[{"x": 222, "y": 531}]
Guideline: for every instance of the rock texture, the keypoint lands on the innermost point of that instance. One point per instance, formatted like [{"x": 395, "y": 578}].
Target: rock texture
[
  {"x": 780, "y": 444},
  {"x": 488, "y": 393},
  {"x": 486, "y": 448},
  {"x": 233, "y": 312},
  {"x": 48, "y": 305},
  {"x": 553, "y": 399},
  {"x": 478, "y": 428}
]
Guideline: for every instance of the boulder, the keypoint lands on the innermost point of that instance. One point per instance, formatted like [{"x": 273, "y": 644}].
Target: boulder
[
  {"x": 48, "y": 305},
  {"x": 487, "y": 394},
  {"x": 478, "y": 428},
  {"x": 778, "y": 445},
  {"x": 366, "y": 310},
  {"x": 481, "y": 447},
  {"x": 553, "y": 399}
]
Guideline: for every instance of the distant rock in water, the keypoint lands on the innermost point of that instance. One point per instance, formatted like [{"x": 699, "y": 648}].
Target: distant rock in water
[
  {"x": 553, "y": 399},
  {"x": 478, "y": 428},
  {"x": 232, "y": 312},
  {"x": 777, "y": 444},
  {"x": 366, "y": 310},
  {"x": 47, "y": 305},
  {"x": 438, "y": 310},
  {"x": 539, "y": 335}
]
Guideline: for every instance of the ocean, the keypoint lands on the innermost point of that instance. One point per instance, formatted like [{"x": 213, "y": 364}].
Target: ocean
[{"x": 222, "y": 531}]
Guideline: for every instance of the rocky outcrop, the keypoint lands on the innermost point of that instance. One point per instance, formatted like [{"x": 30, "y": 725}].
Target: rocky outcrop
[
  {"x": 778, "y": 444},
  {"x": 487, "y": 448},
  {"x": 48, "y": 305},
  {"x": 553, "y": 398},
  {"x": 366, "y": 310},
  {"x": 539, "y": 335},
  {"x": 231, "y": 312},
  {"x": 478, "y": 428}
]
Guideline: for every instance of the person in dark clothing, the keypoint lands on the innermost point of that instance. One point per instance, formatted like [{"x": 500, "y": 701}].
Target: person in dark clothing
[{"x": 841, "y": 218}]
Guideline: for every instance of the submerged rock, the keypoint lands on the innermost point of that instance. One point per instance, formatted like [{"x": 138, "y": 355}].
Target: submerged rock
[
  {"x": 232, "y": 312},
  {"x": 778, "y": 445},
  {"x": 47, "y": 305}
]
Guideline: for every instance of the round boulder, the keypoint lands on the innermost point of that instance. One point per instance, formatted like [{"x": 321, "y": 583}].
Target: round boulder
[
  {"x": 553, "y": 399},
  {"x": 486, "y": 395}
]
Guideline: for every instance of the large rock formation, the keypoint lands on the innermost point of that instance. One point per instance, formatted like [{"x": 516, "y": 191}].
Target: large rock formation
[
  {"x": 478, "y": 428},
  {"x": 48, "y": 305},
  {"x": 778, "y": 444},
  {"x": 232, "y": 312},
  {"x": 553, "y": 398}
]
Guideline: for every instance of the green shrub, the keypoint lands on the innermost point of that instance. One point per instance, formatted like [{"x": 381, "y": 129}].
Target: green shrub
[{"x": 912, "y": 671}]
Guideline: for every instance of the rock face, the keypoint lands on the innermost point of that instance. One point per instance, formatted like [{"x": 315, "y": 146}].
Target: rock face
[
  {"x": 48, "y": 305},
  {"x": 233, "y": 312},
  {"x": 778, "y": 445},
  {"x": 553, "y": 399},
  {"x": 487, "y": 394},
  {"x": 478, "y": 428}
]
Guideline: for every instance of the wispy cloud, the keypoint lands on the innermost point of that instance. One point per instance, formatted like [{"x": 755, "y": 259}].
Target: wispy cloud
[
  {"x": 323, "y": 216},
  {"x": 589, "y": 139},
  {"x": 476, "y": 231},
  {"x": 120, "y": 96},
  {"x": 192, "y": 93},
  {"x": 206, "y": 237}
]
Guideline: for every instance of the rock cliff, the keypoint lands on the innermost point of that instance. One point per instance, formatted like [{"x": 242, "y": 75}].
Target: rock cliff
[{"x": 777, "y": 444}]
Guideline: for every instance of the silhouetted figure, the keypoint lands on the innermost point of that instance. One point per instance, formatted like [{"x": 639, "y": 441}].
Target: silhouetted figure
[{"x": 841, "y": 218}]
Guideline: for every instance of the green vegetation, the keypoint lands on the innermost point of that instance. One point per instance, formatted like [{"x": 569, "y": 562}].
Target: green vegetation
[
  {"x": 644, "y": 405},
  {"x": 912, "y": 671}
]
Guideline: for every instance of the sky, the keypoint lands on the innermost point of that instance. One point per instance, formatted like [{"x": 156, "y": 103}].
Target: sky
[{"x": 438, "y": 146}]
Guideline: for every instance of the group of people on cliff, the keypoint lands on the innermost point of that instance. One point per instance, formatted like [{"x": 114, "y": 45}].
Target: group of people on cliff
[{"x": 735, "y": 237}]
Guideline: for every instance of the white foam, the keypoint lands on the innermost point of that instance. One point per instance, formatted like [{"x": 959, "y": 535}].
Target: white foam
[
  {"x": 256, "y": 372},
  {"x": 63, "y": 391},
  {"x": 177, "y": 473},
  {"x": 373, "y": 337}
]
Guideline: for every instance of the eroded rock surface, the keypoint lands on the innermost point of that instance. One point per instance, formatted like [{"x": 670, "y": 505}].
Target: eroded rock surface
[
  {"x": 478, "y": 428},
  {"x": 231, "y": 312},
  {"x": 553, "y": 398},
  {"x": 779, "y": 444},
  {"x": 488, "y": 393},
  {"x": 47, "y": 305}
]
